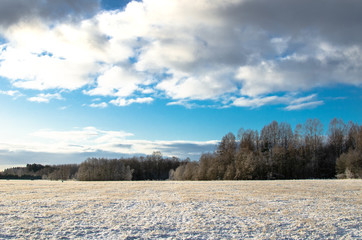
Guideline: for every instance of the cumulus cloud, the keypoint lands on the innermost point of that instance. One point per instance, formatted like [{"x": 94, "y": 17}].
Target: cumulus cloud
[
  {"x": 14, "y": 11},
  {"x": 208, "y": 86},
  {"x": 121, "y": 102},
  {"x": 183, "y": 50},
  {"x": 45, "y": 97},
  {"x": 99, "y": 105},
  {"x": 115, "y": 81},
  {"x": 326, "y": 18},
  {"x": 12, "y": 93}
]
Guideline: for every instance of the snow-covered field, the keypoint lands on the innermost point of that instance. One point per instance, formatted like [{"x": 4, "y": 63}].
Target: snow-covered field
[{"x": 308, "y": 209}]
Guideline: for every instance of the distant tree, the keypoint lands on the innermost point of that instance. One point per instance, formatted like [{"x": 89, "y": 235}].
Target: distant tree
[
  {"x": 245, "y": 165},
  {"x": 191, "y": 171},
  {"x": 270, "y": 140},
  {"x": 34, "y": 167},
  {"x": 206, "y": 163},
  {"x": 171, "y": 175},
  {"x": 337, "y": 131},
  {"x": 226, "y": 152},
  {"x": 248, "y": 140},
  {"x": 298, "y": 136},
  {"x": 313, "y": 135},
  {"x": 349, "y": 165},
  {"x": 179, "y": 172},
  {"x": 354, "y": 136},
  {"x": 285, "y": 135},
  {"x": 270, "y": 136},
  {"x": 94, "y": 169},
  {"x": 62, "y": 172}
]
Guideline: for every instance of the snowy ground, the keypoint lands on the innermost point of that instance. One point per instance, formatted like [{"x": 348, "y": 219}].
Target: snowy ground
[{"x": 310, "y": 209}]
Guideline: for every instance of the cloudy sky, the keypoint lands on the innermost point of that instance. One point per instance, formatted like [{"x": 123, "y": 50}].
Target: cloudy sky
[{"x": 83, "y": 78}]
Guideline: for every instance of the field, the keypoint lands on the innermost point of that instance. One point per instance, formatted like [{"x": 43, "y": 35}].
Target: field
[{"x": 308, "y": 209}]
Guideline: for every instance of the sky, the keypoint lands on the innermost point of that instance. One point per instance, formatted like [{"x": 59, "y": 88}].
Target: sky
[{"x": 113, "y": 78}]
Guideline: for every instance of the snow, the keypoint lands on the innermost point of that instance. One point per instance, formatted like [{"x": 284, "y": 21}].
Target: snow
[{"x": 301, "y": 209}]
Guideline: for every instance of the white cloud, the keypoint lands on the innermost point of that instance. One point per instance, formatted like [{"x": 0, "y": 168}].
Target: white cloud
[
  {"x": 184, "y": 50},
  {"x": 90, "y": 141},
  {"x": 211, "y": 85},
  {"x": 78, "y": 140},
  {"x": 99, "y": 105},
  {"x": 12, "y": 93},
  {"x": 261, "y": 79},
  {"x": 183, "y": 103},
  {"x": 147, "y": 91},
  {"x": 121, "y": 102},
  {"x": 293, "y": 102},
  {"x": 303, "y": 99},
  {"x": 115, "y": 81},
  {"x": 259, "y": 101},
  {"x": 44, "y": 72},
  {"x": 45, "y": 97},
  {"x": 300, "y": 106}
]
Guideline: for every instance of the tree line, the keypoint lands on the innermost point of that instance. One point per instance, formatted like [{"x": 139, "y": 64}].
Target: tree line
[
  {"x": 151, "y": 167},
  {"x": 277, "y": 152},
  {"x": 39, "y": 171}
]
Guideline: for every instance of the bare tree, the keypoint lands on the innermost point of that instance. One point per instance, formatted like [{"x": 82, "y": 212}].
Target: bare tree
[
  {"x": 226, "y": 152},
  {"x": 313, "y": 135},
  {"x": 337, "y": 133}
]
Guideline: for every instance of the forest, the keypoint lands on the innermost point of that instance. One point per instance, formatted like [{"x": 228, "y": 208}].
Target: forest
[{"x": 276, "y": 152}]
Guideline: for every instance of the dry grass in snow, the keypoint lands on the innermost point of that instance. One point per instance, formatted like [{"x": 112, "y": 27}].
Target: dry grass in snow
[{"x": 308, "y": 209}]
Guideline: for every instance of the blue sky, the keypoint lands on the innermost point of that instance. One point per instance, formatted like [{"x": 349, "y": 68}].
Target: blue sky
[{"x": 117, "y": 78}]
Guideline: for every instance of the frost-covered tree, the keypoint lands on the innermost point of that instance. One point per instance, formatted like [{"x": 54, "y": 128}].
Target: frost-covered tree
[
  {"x": 226, "y": 152},
  {"x": 349, "y": 165},
  {"x": 95, "y": 169}
]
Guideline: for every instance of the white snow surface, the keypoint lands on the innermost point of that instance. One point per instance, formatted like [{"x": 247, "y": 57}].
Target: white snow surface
[{"x": 300, "y": 209}]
